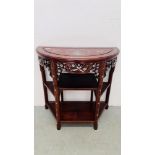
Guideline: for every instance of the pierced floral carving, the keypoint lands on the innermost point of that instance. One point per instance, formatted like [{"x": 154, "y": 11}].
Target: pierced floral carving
[
  {"x": 73, "y": 67},
  {"x": 45, "y": 63},
  {"x": 111, "y": 63}
]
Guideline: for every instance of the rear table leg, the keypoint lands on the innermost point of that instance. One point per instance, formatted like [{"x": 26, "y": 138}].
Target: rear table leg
[
  {"x": 44, "y": 87},
  {"x": 91, "y": 98},
  {"x": 46, "y": 106},
  {"x": 58, "y": 126},
  {"x": 95, "y": 125},
  {"x": 62, "y": 96}
]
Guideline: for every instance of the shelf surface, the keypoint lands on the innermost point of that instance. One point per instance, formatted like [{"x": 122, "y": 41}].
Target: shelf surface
[
  {"x": 49, "y": 85},
  {"x": 77, "y": 111},
  {"x": 78, "y": 81}
]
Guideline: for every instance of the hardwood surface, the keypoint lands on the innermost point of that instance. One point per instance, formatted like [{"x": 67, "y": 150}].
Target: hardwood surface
[
  {"x": 76, "y": 111},
  {"x": 78, "y": 54}
]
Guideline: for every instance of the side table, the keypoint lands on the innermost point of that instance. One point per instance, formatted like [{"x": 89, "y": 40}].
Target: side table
[{"x": 77, "y": 69}]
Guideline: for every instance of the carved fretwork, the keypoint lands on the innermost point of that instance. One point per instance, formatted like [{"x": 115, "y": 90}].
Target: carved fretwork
[
  {"x": 45, "y": 63},
  {"x": 111, "y": 63},
  {"x": 72, "y": 67}
]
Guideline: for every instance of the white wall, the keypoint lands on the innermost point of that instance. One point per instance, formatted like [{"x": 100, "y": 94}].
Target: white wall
[{"x": 79, "y": 23}]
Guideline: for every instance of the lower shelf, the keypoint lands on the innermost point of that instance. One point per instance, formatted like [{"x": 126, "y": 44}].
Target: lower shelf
[{"x": 77, "y": 111}]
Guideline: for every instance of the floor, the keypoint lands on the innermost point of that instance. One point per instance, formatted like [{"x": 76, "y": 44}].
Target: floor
[{"x": 77, "y": 139}]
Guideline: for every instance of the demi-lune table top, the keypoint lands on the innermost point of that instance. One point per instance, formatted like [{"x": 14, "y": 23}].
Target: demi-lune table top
[{"x": 78, "y": 54}]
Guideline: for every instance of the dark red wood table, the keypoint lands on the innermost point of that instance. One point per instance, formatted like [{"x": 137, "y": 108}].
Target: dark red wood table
[{"x": 77, "y": 69}]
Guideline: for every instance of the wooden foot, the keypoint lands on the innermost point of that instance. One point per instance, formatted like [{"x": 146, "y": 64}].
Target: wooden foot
[
  {"x": 58, "y": 126},
  {"x": 107, "y": 106},
  {"x": 95, "y": 125},
  {"x": 46, "y": 106}
]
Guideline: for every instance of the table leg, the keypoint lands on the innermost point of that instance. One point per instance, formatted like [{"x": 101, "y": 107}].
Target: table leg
[
  {"x": 44, "y": 87},
  {"x": 102, "y": 68},
  {"x": 108, "y": 90},
  {"x": 56, "y": 93},
  {"x": 91, "y": 97},
  {"x": 91, "y": 100},
  {"x": 62, "y": 96}
]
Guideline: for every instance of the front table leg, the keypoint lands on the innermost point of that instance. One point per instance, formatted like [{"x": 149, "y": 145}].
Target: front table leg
[
  {"x": 56, "y": 93},
  {"x": 102, "y": 68}
]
